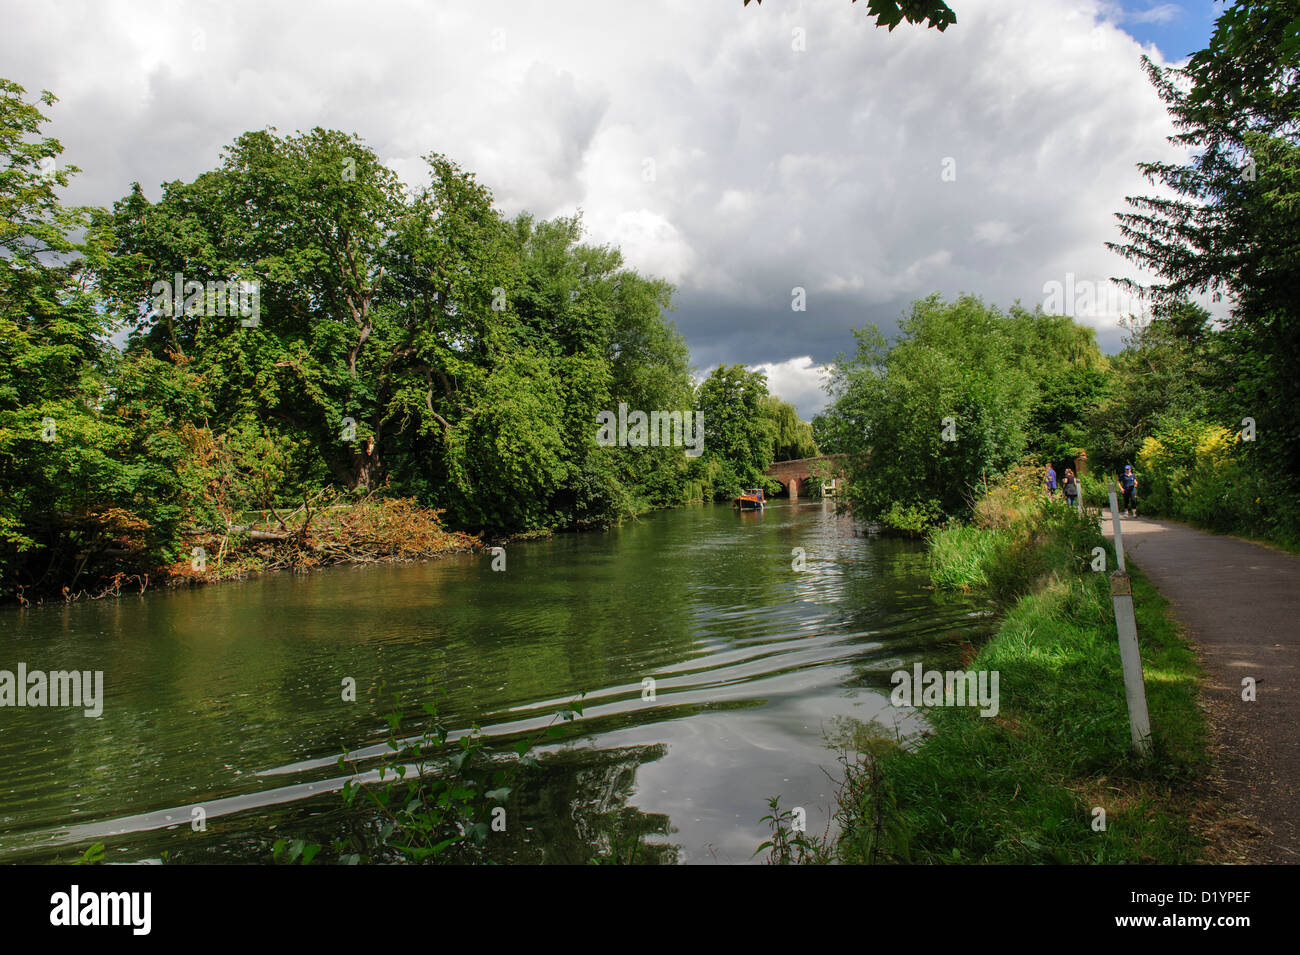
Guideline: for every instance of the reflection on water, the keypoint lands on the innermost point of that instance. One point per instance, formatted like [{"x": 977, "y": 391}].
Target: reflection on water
[{"x": 231, "y": 697}]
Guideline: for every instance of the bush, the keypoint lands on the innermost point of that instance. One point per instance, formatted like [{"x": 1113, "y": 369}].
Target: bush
[
  {"x": 1095, "y": 489},
  {"x": 911, "y": 520},
  {"x": 1196, "y": 471},
  {"x": 1015, "y": 499}
]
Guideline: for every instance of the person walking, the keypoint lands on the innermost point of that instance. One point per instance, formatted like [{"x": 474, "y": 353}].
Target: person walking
[
  {"x": 1051, "y": 481},
  {"x": 1129, "y": 483},
  {"x": 1070, "y": 487}
]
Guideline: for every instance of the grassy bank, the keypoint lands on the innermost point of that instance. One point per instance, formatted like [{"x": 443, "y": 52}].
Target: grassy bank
[{"x": 1023, "y": 786}]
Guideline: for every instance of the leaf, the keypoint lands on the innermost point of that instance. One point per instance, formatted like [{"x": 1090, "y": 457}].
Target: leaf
[
  {"x": 441, "y": 847},
  {"x": 94, "y": 854}
]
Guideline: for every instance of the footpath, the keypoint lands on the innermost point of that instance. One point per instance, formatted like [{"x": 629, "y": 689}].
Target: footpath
[{"x": 1240, "y": 603}]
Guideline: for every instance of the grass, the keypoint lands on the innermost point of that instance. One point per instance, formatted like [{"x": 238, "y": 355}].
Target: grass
[
  {"x": 1024, "y": 786},
  {"x": 959, "y": 556}
]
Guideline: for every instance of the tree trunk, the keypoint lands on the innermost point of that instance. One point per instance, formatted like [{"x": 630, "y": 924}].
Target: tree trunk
[{"x": 365, "y": 464}]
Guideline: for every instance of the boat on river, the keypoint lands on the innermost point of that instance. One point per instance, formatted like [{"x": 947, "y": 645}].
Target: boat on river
[{"x": 751, "y": 500}]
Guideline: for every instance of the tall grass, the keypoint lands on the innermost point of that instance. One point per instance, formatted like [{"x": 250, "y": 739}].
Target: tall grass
[
  {"x": 1024, "y": 786},
  {"x": 1018, "y": 537},
  {"x": 960, "y": 556}
]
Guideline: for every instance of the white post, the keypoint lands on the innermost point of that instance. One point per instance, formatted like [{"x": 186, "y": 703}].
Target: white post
[
  {"x": 1121, "y": 595},
  {"x": 1119, "y": 533}
]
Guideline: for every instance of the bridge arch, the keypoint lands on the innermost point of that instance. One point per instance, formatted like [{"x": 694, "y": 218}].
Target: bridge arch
[{"x": 795, "y": 473}]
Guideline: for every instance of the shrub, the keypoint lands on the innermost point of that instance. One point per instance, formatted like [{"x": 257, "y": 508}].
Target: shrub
[
  {"x": 1196, "y": 471},
  {"x": 911, "y": 520}
]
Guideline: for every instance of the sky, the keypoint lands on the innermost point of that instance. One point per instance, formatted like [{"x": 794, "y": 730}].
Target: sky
[{"x": 759, "y": 157}]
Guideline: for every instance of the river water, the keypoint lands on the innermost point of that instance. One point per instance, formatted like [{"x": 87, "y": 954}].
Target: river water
[{"x": 230, "y": 697}]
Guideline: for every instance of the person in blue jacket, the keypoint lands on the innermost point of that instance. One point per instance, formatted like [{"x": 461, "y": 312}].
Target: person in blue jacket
[
  {"x": 1051, "y": 481},
  {"x": 1129, "y": 483}
]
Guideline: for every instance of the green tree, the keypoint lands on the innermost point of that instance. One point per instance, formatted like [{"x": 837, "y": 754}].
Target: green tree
[
  {"x": 418, "y": 341},
  {"x": 81, "y": 475},
  {"x": 1232, "y": 224},
  {"x": 928, "y": 418},
  {"x": 1166, "y": 372},
  {"x": 1069, "y": 373},
  {"x": 792, "y": 437},
  {"x": 371, "y": 307},
  {"x": 738, "y": 436}
]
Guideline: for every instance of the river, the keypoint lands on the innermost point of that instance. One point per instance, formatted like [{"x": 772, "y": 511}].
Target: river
[{"x": 231, "y": 697}]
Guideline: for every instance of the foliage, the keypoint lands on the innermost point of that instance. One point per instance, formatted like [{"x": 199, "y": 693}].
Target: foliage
[
  {"x": 910, "y": 520},
  {"x": 960, "y": 554},
  {"x": 890, "y": 13},
  {"x": 790, "y": 844},
  {"x": 1018, "y": 540},
  {"x": 1232, "y": 227},
  {"x": 468, "y": 354},
  {"x": 434, "y": 800},
  {"x": 963, "y": 394},
  {"x": 408, "y": 343},
  {"x": 738, "y": 430},
  {"x": 792, "y": 438},
  {"x": 1200, "y": 472},
  {"x": 1093, "y": 487},
  {"x": 88, "y": 471},
  {"x": 1168, "y": 369},
  {"x": 93, "y": 855}
]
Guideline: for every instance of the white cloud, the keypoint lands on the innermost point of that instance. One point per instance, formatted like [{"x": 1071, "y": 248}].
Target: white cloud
[{"x": 799, "y": 381}]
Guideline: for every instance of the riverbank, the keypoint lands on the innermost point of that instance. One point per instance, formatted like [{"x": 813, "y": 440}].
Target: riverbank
[
  {"x": 375, "y": 531},
  {"x": 1051, "y": 777}
]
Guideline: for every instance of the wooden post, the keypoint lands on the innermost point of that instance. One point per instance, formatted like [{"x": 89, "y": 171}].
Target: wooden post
[
  {"x": 1080, "y": 469},
  {"x": 1130, "y": 655}
]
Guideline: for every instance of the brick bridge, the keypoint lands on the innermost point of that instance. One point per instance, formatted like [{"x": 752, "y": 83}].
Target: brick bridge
[{"x": 793, "y": 473}]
